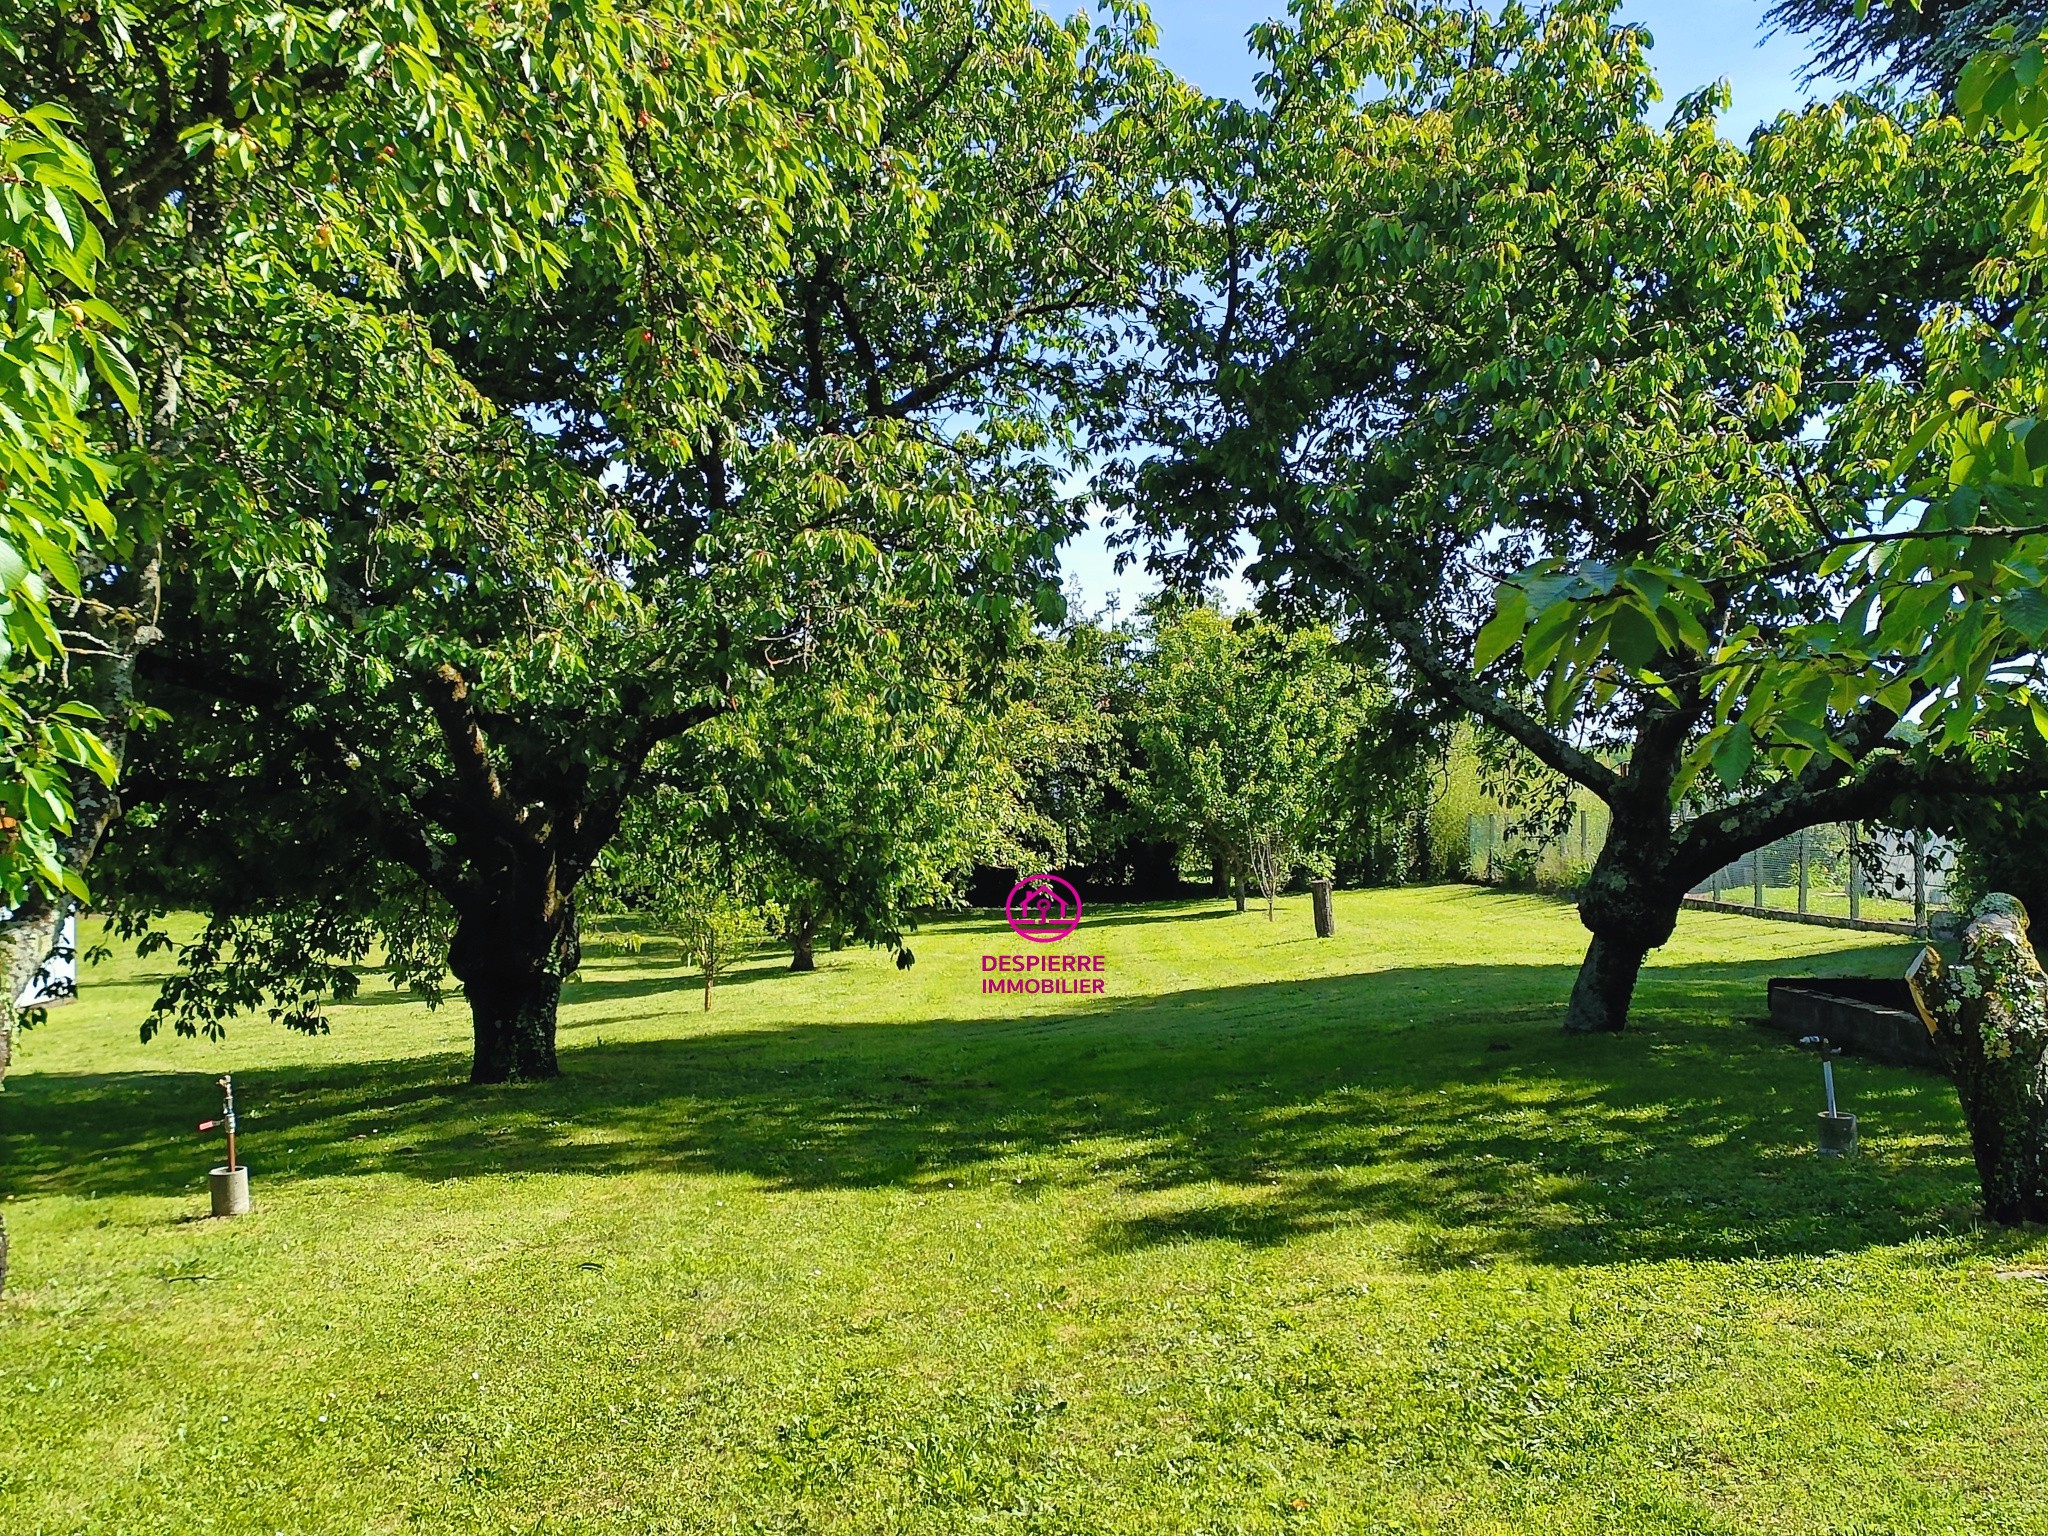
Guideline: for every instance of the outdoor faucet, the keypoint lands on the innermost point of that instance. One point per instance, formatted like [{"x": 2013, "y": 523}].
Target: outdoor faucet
[
  {"x": 227, "y": 1118},
  {"x": 1837, "y": 1130},
  {"x": 230, "y": 1185},
  {"x": 1828, "y": 1053}
]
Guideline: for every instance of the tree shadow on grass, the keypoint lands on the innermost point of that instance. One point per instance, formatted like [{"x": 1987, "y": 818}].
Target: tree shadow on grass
[
  {"x": 1444, "y": 1100},
  {"x": 658, "y": 968}
]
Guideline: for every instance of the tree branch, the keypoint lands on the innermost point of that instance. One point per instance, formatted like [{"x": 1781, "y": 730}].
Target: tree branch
[
  {"x": 447, "y": 692},
  {"x": 1546, "y": 745}
]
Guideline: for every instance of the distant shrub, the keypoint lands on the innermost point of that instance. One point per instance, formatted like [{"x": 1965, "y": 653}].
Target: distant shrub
[{"x": 1517, "y": 868}]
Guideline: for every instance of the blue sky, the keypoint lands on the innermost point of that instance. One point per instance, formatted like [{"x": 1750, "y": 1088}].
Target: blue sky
[
  {"x": 1203, "y": 40},
  {"x": 1695, "y": 44}
]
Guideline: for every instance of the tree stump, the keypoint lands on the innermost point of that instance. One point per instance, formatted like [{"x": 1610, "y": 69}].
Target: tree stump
[
  {"x": 1988, "y": 1013},
  {"x": 1319, "y": 898}
]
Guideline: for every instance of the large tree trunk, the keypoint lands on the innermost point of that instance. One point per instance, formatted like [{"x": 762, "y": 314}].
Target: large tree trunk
[
  {"x": 1605, "y": 987},
  {"x": 1989, "y": 1016},
  {"x": 803, "y": 933},
  {"x": 514, "y": 1029},
  {"x": 1630, "y": 905},
  {"x": 511, "y": 964}
]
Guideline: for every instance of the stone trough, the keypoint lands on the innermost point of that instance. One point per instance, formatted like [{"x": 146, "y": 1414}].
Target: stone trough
[{"x": 1867, "y": 1015}]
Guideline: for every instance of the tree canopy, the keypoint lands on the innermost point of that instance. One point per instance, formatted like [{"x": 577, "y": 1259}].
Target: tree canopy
[
  {"x": 444, "y": 444},
  {"x": 786, "y": 429},
  {"x": 1597, "y": 423},
  {"x": 280, "y": 189},
  {"x": 1920, "y": 42}
]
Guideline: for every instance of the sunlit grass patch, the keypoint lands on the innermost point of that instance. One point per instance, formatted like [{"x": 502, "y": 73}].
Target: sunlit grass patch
[{"x": 1277, "y": 1235}]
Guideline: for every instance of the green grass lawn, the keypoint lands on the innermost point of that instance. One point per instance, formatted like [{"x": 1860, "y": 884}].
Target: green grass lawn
[{"x": 1276, "y": 1236}]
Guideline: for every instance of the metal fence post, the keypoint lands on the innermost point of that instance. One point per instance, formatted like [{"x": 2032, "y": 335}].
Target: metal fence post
[
  {"x": 1756, "y": 876},
  {"x": 1855, "y": 870},
  {"x": 1920, "y": 883},
  {"x": 1802, "y": 869}
]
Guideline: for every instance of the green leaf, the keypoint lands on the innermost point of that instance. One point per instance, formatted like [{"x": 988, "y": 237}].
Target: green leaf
[
  {"x": 1546, "y": 636},
  {"x": 1503, "y": 631},
  {"x": 1734, "y": 753},
  {"x": 53, "y": 204},
  {"x": 13, "y": 568},
  {"x": 1918, "y": 442},
  {"x": 2025, "y": 612},
  {"x": 1977, "y": 78},
  {"x": 1633, "y": 638},
  {"x": 111, "y": 363}
]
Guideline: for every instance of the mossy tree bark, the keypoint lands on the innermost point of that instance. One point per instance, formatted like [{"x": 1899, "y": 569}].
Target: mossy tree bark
[{"x": 1989, "y": 1015}]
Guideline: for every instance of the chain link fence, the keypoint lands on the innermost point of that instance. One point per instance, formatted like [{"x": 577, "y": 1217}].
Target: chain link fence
[
  {"x": 1848, "y": 871},
  {"x": 1503, "y": 854},
  {"x": 1842, "y": 872}
]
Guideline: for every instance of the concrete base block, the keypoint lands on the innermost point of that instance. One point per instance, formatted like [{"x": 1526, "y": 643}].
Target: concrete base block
[
  {"x": 1837, "y": 1135},
  {"x": 230, "y": 1190}
]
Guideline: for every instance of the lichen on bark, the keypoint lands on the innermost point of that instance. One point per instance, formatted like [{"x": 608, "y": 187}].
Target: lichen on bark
[{"x": 1988, "y": 1014}]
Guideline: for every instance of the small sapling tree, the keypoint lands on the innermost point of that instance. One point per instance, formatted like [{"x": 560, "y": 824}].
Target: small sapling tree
[
  {"x": 661, "y": 876},
  {"x": 1240, "y": 729}
]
